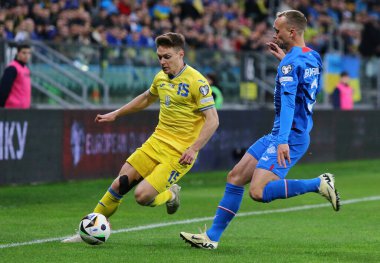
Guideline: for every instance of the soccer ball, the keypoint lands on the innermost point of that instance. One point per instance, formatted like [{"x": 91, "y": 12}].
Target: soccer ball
[{"x": 94, "y": 229}]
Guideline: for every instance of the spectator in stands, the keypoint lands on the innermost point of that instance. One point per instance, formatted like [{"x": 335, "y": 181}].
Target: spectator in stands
[
  {"x": 216, "y": 91},
  {"x": 350, "y": 33},
  {"x": 98, "y": 35},
  {"x": 222, "y": 25},
  {"x": 44, "y": 32},
  {"x": 146, "y": 39},
  {"x": 26, "y": 31},
  {"x": 109, "y": 6},
  {"x": 15, "y": 84},
  {"x": 54, "y": 12},
  {"x": 342, "y": 97},
  {"x": 124, "y": 7},
  {"x": 9, "y": 28},
  {"x": 191, "y": 8},
  {"x": 116, "y": 36},
  {"x": 370, "y": 41},
  {"x": 100, "y": 18},
  {"x": 139, "y": 39},
  {"x": 258, "y": 10},
  {"x": 3, "y": 33}
]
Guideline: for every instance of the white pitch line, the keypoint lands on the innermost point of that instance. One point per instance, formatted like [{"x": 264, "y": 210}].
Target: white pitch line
[{"x": 201, "y": 219}]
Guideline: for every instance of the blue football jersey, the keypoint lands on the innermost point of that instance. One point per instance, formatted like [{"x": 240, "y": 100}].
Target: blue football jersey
[{"x": 298, "y": 82}]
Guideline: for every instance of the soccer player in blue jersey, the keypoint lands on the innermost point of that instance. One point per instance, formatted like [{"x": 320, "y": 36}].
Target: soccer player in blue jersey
[{"x": 268, "y": 161}]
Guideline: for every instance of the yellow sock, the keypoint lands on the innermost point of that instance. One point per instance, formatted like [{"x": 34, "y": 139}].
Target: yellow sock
[
  {"x": 162, "y": 198},
  {"x": 109, "y": 203}
]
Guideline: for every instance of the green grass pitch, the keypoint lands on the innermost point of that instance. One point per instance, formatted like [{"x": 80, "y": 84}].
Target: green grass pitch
[{"x": 311, "y": 234}]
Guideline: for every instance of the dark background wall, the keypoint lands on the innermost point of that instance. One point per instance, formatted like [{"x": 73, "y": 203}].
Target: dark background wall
[
  {"x": 56, "y": 145},
  {"x": 30, "y": 146}
]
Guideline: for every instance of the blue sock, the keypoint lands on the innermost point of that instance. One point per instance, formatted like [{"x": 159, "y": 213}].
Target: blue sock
[
  {"x": 281, "y": 189},
  {"x": 226, "y": 211}
]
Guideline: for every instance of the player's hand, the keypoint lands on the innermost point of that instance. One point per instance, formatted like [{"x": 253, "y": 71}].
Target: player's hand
[
  {"x": 188, "y": 156},
  {"x": 106, "y": 117},
  {"x": 275, "y": 50},
  {"x": 283, "y": 153}
]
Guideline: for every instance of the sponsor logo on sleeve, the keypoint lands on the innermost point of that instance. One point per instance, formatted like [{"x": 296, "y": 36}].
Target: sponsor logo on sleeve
[
  {"x": 286, "y": 69},
  {"x": 286, "y": 79},
  {"x": 204, "y": 90},
  {"x": 206, "y": 100}
]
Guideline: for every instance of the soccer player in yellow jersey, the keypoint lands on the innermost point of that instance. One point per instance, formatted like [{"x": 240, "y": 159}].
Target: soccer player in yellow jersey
[{"x": 187, "y": 120}]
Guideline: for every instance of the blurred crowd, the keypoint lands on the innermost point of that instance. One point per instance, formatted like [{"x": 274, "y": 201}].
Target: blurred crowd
[{"x": 352, "y": 26}]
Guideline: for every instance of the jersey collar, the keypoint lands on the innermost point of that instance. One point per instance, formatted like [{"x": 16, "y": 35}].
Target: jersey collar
[{"x": 179, "y": 73}]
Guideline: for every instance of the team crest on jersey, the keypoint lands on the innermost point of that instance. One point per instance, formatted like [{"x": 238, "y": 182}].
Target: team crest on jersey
[
  {"x": 162, "y": 84},
  {"x": 171, "y": 85},
  {"x": 204, "y": 90},
  {"x": 286, "y": 69}
]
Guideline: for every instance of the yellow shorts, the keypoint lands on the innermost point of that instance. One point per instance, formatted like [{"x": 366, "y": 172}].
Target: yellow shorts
[{"x": 157, "y": 162}]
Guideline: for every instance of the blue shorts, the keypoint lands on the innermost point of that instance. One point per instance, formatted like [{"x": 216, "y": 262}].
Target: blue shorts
[{"x": 265, "y": 151}]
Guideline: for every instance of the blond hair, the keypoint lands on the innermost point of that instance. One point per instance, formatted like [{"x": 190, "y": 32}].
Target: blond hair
[{"x": 294, "y": 19}]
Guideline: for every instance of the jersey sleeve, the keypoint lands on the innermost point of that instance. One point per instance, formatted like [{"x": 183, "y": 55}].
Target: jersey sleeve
[
  {"x": 289, "y": 82},
  {"x": 153, "y": 88},
  {"x": 288, "y": 78},
  {"x": 202, "y": 94}
]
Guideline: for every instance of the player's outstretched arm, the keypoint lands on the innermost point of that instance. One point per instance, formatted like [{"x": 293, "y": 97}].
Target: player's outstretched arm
[
  {"x": 208, "y": 129},
  {"x": 139, "y": 103},
  {"x": 275, "y": 50}
]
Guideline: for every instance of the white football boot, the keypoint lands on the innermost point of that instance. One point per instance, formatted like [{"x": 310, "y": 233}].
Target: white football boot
[
  {"x": 199, "y": 240},
  {"x": 327, "y": 190}
]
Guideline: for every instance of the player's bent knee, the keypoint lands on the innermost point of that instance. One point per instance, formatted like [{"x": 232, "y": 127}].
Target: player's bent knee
[
  {"x": 233, "y": 177},
  {"x": 141, "y": 198},
  {"x": 256, "y": 194}
]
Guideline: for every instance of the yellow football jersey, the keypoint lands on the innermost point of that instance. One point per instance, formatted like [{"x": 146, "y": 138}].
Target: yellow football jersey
[{"x": 182, "y": 100}]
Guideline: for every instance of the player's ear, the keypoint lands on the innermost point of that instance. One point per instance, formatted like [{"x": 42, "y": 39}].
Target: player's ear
[
  {"x": 292, "y": 32},
  {"x": 181, "y": 53}
]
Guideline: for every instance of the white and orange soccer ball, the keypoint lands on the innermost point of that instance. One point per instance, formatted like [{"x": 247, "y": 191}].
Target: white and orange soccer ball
[{"x": 94, "y": 229}]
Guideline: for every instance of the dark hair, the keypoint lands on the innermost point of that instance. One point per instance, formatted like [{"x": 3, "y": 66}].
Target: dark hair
[
  {"x": 295, "y": 18},
  {"x": 174, "y": 40},
  {"x": 344, "y": 74},
  {"x": 21, "y": 46},
  {"x": 212, "y": 77}
]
